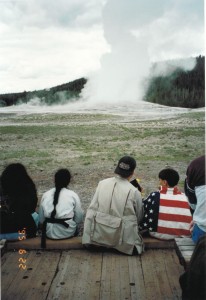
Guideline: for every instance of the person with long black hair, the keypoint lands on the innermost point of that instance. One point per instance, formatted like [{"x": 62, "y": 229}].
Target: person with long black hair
[
  {"x": 60, "y": 209},
  {"x": 18, "y": 203}
]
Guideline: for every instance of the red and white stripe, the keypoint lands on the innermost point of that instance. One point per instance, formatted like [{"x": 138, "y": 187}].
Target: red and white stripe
[{"x": 174, "y": 214}]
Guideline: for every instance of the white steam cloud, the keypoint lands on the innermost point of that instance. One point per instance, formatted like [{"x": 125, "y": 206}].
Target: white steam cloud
[
  {"x": 166, "y": 68},
  {"x": 140, "y": 33}
]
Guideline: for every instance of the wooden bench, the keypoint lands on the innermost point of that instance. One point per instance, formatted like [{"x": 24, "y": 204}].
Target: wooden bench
[
  {"x": 75, "y": 243},
  {"x": 184, "y": 248}
]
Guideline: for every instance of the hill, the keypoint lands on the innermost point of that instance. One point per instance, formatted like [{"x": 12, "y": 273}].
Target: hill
[
  {"x": 180, "y": 88},
  {"x": 61, "y": 93}
]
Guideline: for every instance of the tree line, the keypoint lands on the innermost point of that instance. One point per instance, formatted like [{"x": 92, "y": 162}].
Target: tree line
[
  {"x": 181, "y": 88},
  {"x": 60, "y": 93}
]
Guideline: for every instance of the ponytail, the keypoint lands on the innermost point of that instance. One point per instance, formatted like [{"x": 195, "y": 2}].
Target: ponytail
[{"x": 62, "y": 180}]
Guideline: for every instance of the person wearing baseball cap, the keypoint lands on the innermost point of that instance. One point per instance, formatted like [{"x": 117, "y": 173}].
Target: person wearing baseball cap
[
  {"x": 126, "y": 166},
  {"x": 115, "y": 211}
]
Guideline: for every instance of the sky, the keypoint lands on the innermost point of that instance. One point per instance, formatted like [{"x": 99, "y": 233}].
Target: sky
[{"x": 44, "y": 43}]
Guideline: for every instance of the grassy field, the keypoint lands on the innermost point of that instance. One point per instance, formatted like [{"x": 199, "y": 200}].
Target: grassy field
[{"x": 91, "y": 144}]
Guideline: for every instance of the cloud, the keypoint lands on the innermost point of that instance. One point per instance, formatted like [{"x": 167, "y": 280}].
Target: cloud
[
  {"x": 50, "y": 13},
  {"x": 139, "y": 33},
  {"x": 51, "y": 57},
  {"x": 46, "y": 43},
  {"x": 178, "y": 33},
  {"x": 113, "y": 42}
]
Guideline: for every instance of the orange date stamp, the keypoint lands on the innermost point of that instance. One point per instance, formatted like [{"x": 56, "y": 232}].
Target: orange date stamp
[{"x": 22, "y": 260}]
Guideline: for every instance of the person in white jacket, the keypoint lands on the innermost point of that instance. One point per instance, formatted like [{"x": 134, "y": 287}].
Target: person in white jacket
[
  {"x": 60, "y": 209},
  {"x": 115, "y": 211}
]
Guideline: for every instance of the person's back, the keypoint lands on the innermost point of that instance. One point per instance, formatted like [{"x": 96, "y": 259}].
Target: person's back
[
  {"x": 20, "y": 196},
  {"x": 166, "y": 212},
  {"x": 60, "y": 209},
  {"x": 113, "y": 215}
]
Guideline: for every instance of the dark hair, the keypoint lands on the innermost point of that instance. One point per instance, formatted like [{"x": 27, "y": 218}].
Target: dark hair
[
  {"x": 62, "y": 179},
  {"x": 21, "y": 191},
  {"x": 170, "y": 175}
]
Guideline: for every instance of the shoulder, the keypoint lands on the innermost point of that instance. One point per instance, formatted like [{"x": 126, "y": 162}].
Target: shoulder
[
  {"x": 106, "y": 181},
  {"x": 69, "y": 193},
  {"x": 153, "y": 196},
  {"x": 51, "y": 191},
  {"x": 110, "y": 179},
  {"x": 200, "y": 192},
  {"x": 48, "y": 194}
]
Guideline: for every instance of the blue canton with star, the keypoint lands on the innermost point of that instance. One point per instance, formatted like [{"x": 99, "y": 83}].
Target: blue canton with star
[{"x": 151, "y": 212}]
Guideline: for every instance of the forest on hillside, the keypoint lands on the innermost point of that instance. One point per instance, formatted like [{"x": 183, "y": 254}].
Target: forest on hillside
[
  {"x": 58, "y": 94},
  {"x": 180, "y": 88}
]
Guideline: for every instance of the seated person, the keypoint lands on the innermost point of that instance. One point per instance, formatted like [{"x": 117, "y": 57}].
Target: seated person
[
  {"x": 193, "y": 280},
  {"x": 115, "y": 211},
  {"x": 60, "y": 210},
  {"x": 18, "y": 203},
  {"x": 166, "y": 212},
  {"x": 195, "y": 190}
]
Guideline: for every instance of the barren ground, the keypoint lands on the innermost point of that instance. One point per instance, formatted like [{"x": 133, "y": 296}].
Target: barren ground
[{"x": 90, "y": 145}]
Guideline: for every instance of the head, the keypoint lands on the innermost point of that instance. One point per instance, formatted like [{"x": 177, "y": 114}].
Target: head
[
  {"x": 19, "y": 187},
  {"x": 169, "y": 177},
  {"x": 62, "y": 178},
  {"x": 126, "y": 166},
  {"x": 196, "y": 172},
  {"x": 13, "y": 177}
]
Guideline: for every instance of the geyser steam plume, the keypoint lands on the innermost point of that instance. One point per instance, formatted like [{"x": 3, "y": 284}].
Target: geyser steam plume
[{"x": 139, "y": 33}]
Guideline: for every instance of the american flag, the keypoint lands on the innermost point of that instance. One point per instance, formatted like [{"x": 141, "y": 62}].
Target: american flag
[{"x": 167, "y": 212}]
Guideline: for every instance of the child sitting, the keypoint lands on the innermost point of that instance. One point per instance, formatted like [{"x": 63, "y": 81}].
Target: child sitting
[
  {"x": 166, "y": 212},
  {"x": 60, "y": 209}
]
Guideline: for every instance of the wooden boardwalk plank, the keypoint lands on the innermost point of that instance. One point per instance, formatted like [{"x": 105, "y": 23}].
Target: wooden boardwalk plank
[
  {"x": 136, "y": 276},
  {"x": 33, "y": 282},
  {"x": 9, "y": 270},
  {"x": 162, "y": 278},
  {"x": 115, "y": 281},
  {"x": 124, "y": 282},
  {"x": 78, "y": 276},
  {"x": 5, "y": 257},
  {"x": 94, "y": 276},
  {"x": 157, "y": 275},
  {"x": 88, "y": 275},
  {"x": 168, "y": 271},
  {"x": 173, "y": 270},
  {"x": 108, "y": 270},
  {"x": 151, "y": 284},
  {"x": 67, "y": 276}
]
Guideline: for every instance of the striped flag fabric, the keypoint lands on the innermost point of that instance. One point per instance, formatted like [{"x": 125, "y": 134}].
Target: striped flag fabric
[
  {"x": 166, "y": 214},
  {"x": 174, "y": 213}
]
